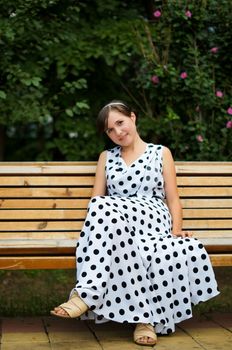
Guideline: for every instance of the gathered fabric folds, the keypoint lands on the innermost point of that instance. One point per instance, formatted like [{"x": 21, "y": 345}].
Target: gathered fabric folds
[{"x": 130, "y": 269}]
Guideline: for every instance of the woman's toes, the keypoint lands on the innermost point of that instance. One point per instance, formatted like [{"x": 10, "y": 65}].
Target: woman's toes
[{"x": 60, "y": 311}]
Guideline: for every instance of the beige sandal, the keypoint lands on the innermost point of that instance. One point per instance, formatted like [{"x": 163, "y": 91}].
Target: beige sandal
[
  {"x": 74, "y": 307},
  {"x": 145, "y": 330}
]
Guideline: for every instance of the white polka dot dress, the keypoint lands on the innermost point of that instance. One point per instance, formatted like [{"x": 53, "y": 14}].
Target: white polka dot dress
[{"x": 129, "y": 266}]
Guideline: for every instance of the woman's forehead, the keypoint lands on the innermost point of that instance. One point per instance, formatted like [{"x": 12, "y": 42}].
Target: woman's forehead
[{"x": 114, "y": 116}]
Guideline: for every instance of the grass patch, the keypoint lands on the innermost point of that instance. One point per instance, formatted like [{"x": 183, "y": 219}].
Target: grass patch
[{"x": 36, "y": 292}]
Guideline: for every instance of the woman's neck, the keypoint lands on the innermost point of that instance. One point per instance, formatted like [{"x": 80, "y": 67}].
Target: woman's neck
[{"x": 137, "y": 146}]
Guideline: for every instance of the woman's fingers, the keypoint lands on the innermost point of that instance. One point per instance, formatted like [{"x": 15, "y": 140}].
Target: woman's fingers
[{"x": 184, "y": 234}]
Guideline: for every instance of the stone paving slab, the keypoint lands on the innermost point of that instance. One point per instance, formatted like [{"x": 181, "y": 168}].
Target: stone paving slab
[
  {"x": 43, "y": 333},
  {"x": 27, "y": 330}
]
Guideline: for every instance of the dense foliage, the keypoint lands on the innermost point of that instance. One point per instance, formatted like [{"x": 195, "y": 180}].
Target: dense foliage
[{"x": 61, "y": 60}]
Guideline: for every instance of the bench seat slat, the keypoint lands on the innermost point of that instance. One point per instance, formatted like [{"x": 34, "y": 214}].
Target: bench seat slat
[
  {"x": 207, "y": 224},
  {"x": 69, "y": 262},
  {"x": 37, "y": 262},
  {"x": 21, "y": 244}
]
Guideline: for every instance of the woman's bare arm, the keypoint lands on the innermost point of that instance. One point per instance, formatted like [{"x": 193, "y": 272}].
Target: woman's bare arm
[
  {"x": 99, "y": 188},
  {"x": 172, "y": 196}
]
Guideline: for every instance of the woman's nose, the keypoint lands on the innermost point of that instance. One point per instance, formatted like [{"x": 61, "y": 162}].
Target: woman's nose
[{"x": 118, "y": 131}]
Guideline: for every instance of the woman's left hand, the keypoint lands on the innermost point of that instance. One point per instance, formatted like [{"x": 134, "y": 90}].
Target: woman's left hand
[{"x": 183, "y": 234}]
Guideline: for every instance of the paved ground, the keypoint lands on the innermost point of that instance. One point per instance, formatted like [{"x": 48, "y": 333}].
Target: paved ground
[{"x": 42, "y": 333}]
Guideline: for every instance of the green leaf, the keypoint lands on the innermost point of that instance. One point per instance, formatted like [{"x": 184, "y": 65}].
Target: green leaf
[
  {"x": 2, "y": 95},
  {"x": 69, "y": 112}
]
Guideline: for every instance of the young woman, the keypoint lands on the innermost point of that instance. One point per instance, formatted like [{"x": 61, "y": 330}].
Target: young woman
[{"x": 135, "y": 264}]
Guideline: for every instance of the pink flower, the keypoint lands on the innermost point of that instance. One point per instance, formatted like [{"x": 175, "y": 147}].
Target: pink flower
[
  {"x": 155, "y": 79},
  {"x": 214, "y": 49},
  {"x": 229, "y": 124},
  {"x": 157, "y": 14},
  {"x": 229, "y": 110},
  {"x": 188, "y": 14},
  {"x": 200, "y": 138},
  {"x": 183, "y": 75},
  {"x": 197, "y": 109},
  {"x": 219, "y": 93}
]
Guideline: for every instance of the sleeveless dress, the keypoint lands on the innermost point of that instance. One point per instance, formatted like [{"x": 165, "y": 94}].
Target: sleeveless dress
[{"x": 129, "y": 267}]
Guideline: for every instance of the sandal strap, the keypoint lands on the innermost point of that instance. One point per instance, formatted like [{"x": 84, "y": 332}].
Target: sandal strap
[
  {"x": 75, "y": 307},
  {"x": 144, "y": 330}
]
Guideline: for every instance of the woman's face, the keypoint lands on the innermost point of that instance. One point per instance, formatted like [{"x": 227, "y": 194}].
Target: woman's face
[{"x": 121, "y": 129}]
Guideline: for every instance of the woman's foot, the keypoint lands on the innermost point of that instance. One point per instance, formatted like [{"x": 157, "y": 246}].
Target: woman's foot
[
  {"x": 144, "y": 334},
  {"x": 73, "y": 308}
]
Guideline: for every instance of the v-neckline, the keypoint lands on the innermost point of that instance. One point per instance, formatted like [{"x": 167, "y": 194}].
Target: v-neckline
[{"x": 129, "y": 165}]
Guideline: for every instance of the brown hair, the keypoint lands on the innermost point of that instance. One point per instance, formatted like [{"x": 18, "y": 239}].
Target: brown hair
[{"x": 103, "y": 115}]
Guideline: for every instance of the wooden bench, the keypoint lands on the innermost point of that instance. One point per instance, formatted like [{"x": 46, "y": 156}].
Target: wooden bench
[{"x": 43, "y": 206}]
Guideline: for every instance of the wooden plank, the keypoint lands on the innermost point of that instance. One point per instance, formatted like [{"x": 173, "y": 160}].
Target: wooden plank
[
  {"x": 47, "y": 168},
  {"x": 204, "y": 180},
  {"x": 39, "y": 235},
  {"x": 39, "y": 244},
  {"x": 45, "y": 192},
  {"x": 206, "y": 224},
  {"x": 39, "y": 262},
  {"x": 90, "y": 167},
  {"x": 59, "y": 214},
  {"x": 196, "y": 168},
  {"x": 215, "y": 241},
  {"x": 205, "y": 192},
  {"x": 221, "y": 259},
  {"x": 207, "y": 213},
  {"x": 216, "y": 235},
  {"x": 24, "y": 235},
  {"x": 41, "y": 225},
  {"x": 69, "y": 262},
  {"x": 49, "y": 181},
  {"x": 14, "y": 242},
  {"x": 42, "y": 214},
  {"x": 28, "y": 226},
  {"x": 206, "y": 203},
  {"x": 31, "y": 203}
]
